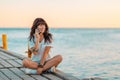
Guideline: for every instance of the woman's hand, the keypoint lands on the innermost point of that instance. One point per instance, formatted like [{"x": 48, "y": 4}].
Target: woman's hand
[
  {"x": 35, "y": 53},
  {"x": 37, "y": 34},
  {"x": 39, "y": 70},
  {"x": 37, "y": 41}
]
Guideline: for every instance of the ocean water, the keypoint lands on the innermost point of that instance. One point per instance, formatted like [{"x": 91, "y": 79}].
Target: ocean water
[{"x": 86, "y": 52}]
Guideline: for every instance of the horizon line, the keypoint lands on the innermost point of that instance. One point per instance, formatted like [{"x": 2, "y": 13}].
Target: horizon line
[{"x": 69, "y": 27}]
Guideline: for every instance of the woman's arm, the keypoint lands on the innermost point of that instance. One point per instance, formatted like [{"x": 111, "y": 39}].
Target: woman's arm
[
  {"x": 37, "y": 44},
  {"x": 37, "y": 36},
  {"x": 36, "y": 47},
  {"x": 45, "y": 54}
]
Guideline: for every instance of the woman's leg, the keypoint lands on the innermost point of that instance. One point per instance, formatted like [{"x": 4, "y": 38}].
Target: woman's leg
[
  {"x": 30, "y": 64},
  {"x": 52, "y": 62}
]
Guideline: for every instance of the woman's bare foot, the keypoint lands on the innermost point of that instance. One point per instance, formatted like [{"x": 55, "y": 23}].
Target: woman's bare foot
[{"x": 39, "y": 70}]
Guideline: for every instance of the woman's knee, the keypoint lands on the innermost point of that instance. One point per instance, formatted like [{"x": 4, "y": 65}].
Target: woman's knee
[
  {"x": 25, "y": 62},
  {"x": 59, "y": 58}
]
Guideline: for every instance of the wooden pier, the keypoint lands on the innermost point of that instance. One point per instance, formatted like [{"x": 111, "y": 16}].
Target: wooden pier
[{"x": 11, "y": 69}]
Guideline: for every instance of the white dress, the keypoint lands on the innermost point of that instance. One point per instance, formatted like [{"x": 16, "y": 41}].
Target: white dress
[{"x": 37, "y": 57}]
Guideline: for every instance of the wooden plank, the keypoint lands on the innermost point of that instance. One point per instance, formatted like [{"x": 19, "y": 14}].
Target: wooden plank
[
  {"x": 28, "y": 78},
  {"x": 39, "y": 77},
  {"x": 3, "y": 77},
  {"x": 10, "y": 74},
  {"x": 15, "y": 79},
  {"x": 19, "y": 61},
  {"x": 15, "y": 64},
  {"x": 21, "y": 74},
  {"x": 13, "y": 54},
  {"x": 65, "y": 76},
  {"x": 3, "y": 57},
  {"x": 51, "y": 76},
  {"x": 5, "y": 64},
  {"x": 7, "y": 55},
  {"x": 1, "y": 66},
  {"x": 22, "y": 69}
]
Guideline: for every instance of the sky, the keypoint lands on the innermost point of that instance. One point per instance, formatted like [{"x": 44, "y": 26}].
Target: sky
[{"x": 61, "y": 13}]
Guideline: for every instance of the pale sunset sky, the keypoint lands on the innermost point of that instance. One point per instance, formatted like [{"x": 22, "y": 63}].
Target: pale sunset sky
[{"x": 61, "y": 13}]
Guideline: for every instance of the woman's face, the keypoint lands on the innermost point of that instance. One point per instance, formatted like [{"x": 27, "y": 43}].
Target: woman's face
[{"x": 41, "y": 28}]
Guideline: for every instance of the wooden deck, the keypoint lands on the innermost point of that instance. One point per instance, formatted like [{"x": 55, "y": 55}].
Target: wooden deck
[{"x": 11, "y": 69}]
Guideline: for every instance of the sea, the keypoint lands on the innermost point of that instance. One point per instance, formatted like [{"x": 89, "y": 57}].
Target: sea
[{"x": 86, "y": 52}]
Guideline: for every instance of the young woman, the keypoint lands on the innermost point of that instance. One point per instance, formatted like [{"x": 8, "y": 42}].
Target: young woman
[{"x": 41, "y": 40}]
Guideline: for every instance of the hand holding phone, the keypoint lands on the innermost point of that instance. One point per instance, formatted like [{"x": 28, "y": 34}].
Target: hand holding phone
[{"x": 36, "y": 33}]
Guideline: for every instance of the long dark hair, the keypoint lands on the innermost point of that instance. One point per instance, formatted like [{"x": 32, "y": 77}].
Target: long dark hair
[{"x": 47, "y": 35}]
